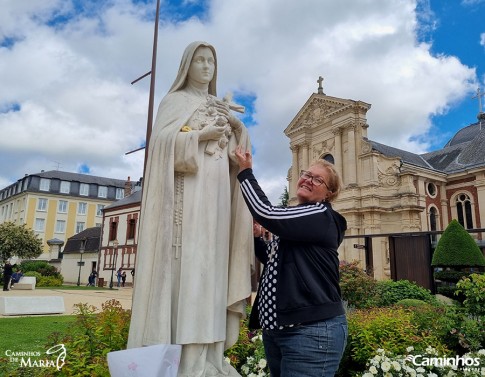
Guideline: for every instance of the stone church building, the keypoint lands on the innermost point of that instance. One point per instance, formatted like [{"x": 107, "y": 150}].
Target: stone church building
[{"x": 388, "y": 190}]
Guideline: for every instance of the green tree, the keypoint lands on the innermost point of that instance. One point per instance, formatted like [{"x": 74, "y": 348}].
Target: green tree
[
  {"x": 284, "y": 198},
  {"x": 18, "y": 240}
]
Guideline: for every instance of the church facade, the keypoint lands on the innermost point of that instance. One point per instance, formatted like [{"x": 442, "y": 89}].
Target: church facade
[{"x": 388, "y": 190}]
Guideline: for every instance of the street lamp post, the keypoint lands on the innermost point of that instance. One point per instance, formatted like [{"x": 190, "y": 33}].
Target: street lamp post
[
  {"x": 81, "y": 251},
  {"x": 115, "y": 244}
]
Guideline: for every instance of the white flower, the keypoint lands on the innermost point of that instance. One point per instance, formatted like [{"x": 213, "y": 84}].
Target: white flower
[
  {"x": 245, "y": 369},
  {"x": 388, "y": 374},
  {"x": 373, "y": 369},
  {"x": 386, "y": 366},
  {"x": 396, "y": 366},
  {"x": 367, "y": 374},
  {"x": 380, "y": 350},
  {"x": 410, "y": 348},
  {"x": 420, "y": 370},
  {"x": 431, "y": 374},
  {"x": 377, "y": 358},
  {"x": 481, "y": 352},
  {"x": 262, "y": 363}
]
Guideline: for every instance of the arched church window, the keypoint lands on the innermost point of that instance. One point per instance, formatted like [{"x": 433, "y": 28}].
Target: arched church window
[
  {"x": 329, "y": 158},
  {"x": 464, "y": 211}
]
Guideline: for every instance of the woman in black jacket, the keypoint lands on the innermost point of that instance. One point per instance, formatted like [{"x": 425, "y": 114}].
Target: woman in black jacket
[{"x": 298, "y": 304}]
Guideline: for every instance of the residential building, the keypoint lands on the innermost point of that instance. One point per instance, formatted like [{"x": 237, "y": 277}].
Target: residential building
[
  {"x": 57, "y": 204},
  {"x": 80, "y": 256},
  {"x": 120, "y": 236},
  {"x": 389, "y": 190}
]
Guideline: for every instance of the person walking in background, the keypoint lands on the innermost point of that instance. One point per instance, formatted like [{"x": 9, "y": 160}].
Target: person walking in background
[
  {"x": 118, "y": 276},
  {"x": 7, "y": 275},
  {"x": 92, "y": 278},
  {"x": 298, "y": 303},
  {"x": 123, "y": 278}
]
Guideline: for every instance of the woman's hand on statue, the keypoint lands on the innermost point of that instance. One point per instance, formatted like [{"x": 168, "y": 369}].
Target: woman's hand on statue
[
  {"x": 211, "y": 132},
  {"x": 258, "y": 230},
  {"x": 244, "y": 158}
]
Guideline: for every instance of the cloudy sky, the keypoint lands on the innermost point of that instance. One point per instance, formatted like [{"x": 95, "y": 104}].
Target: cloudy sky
[{"x": 66, "y": 101}]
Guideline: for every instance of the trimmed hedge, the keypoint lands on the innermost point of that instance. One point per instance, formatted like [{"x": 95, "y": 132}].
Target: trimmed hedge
[
  {"x": 390, "y": 292},
  {"x": 450, "y": 275},
  {"x": 457, "y": 248}
]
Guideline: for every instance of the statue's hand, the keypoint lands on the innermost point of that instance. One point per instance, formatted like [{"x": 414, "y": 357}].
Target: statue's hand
[
  {"x": 211, "y": 132},
  {"x": 222, "y": 108}
]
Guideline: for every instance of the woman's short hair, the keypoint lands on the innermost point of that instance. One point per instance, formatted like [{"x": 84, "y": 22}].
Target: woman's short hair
[{"x": 334, "y": 181}]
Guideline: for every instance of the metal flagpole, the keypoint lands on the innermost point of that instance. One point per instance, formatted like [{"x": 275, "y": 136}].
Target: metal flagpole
[
  {"x": 152, "y": 92},
  {"x": 152, "y": 87}
]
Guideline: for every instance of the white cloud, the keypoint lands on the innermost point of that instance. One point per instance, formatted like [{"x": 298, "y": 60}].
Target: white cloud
[{"x": 77, "y": 104}]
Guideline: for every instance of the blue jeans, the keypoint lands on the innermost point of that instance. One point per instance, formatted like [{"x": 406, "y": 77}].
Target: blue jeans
[{"x": 307, "y": 350}]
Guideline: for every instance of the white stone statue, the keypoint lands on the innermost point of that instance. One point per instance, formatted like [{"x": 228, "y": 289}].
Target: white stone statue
[{"x": 195, "y": 241}]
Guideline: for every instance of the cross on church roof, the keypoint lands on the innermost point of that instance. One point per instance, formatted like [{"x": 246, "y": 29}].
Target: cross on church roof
[
  {"x": 479, "y": 96},
  {"x": 320, "y": 87}
]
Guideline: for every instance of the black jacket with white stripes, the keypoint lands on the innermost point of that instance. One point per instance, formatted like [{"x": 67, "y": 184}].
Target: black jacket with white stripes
[{"x": 308, "y": 273}]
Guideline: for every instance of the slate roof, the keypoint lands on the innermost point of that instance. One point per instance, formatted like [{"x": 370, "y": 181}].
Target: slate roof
[
  {"x": 77, "y": 177},
  {"x": 92, "y": 236},
  {"x": 133, "y": 199},
  {"x": 465, "y": 134},
  {"x": 466, "y": 149},
  {"x": 409, "y": 157}
]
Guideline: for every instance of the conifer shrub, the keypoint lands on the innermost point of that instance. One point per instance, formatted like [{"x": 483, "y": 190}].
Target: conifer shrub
[
  {"x": 456, "y": 248},
  {"x": 456, "y": 253}
]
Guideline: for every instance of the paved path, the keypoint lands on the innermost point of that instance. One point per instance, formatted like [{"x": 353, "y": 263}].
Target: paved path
[{"x": 71, "y": 296}]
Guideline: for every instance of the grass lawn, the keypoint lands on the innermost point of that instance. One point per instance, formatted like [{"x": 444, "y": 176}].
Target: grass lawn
[{"x": 30, "y": 333}]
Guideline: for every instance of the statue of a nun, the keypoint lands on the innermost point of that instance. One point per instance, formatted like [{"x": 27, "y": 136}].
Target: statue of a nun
[{"x": 195, "y": 240}]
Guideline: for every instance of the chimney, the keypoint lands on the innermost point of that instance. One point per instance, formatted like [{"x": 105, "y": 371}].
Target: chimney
[{"x": 128, "y": 187}]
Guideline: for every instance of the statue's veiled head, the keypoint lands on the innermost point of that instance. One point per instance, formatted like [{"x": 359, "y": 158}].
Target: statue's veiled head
[{"x": 181, "y": 79}]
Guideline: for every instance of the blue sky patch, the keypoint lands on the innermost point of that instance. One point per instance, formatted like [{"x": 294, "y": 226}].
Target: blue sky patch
[
  {"x": 80, "y": 9},
  {"x": 8, "y": 42},
  {"x": 247, "y": 100},
  {"x": 83, "y": 169},
  {"x": 9, "y": 107},
  {"x": 176, "y": 11}
]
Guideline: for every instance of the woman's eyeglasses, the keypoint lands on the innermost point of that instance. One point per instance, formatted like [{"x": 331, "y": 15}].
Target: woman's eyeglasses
[{"x": 317, "y": 181}]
